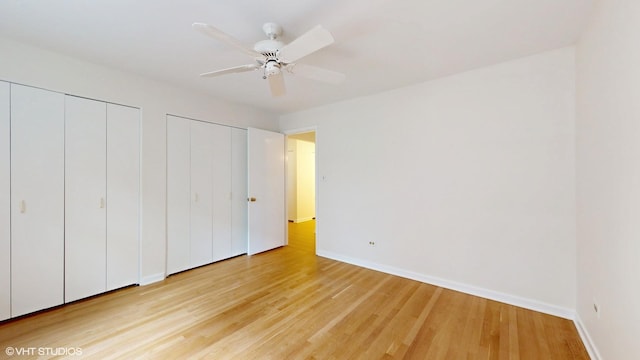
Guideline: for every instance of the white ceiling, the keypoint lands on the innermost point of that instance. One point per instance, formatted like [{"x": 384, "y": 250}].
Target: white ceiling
[{"x": 380, "y": 44}]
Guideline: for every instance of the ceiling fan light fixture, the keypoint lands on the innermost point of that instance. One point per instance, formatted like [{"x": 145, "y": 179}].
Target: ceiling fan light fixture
[{"x": 271, "y": 68}]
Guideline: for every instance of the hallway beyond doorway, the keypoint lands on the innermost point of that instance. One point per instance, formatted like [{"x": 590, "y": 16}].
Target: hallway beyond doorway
[{"x": 302, "y": 236}]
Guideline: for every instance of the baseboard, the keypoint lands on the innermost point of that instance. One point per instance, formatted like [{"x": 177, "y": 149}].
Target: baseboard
[
  {"x": 299, "y": 220},
  {"x": 147, "y": 280},
  {"x": 586, "y": 338},
  {"x": 452, "y": 285}
]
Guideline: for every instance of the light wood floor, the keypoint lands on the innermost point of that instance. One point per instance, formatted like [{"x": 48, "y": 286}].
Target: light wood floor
[{"x": 290, "y": 304}]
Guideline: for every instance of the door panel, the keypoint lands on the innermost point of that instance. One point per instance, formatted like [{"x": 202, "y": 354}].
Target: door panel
[
  {"x": 221, "y": 142},
  {"x": 123, "y": 195},
  {"x": 85, "y": 198},
  {"x": 266, "y": 158},
  {"x": 239, "y": 192},
  {"x": 5, "y": 206},
  {"x": 37, "y": 199},
  {"x": 201, "y": 193},
  {"x": 178, "y": 194}
]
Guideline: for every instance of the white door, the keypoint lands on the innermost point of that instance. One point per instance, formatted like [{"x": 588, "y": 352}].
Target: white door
[
  {"x": 123, "y": 195},
  {"x": 221, "y": 142},
  {"x": 238, "y": 192},
  {"x": 85, "y": 198},
  {"x": 5, "y": 206},
  {"x": 178, "y": 194},
  {"x": 266, "y": 158},
  {"x": 201, "y": 194},
  {"x": 37, "y": 199}
]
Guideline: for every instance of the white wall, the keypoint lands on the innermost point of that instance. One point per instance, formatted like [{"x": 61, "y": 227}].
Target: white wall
[
  {"x": 608, "y": 179},
  {"x": 36, "y": 67},
  {"x": 466, "y": 181}
]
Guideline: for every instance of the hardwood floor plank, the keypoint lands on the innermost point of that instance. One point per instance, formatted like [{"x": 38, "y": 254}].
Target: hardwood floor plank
[
  {"x": 490, "y": 341},
  {"x": 290, "y": 304},
  {"x": 514, "y": 344}
]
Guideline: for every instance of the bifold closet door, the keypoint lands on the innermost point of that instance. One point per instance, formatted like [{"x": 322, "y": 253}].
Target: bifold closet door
[
  {"x": 206, "y": 193},
  {"x": 5, "y": 206},
  {"x": 221, "y": 142},
  {"x": 123, "y": 195},
  {"x": 37, "y": 199},
  {"x": 238, "y": 191},
  {"x": 85, "y": 198},
  {"x": 201, "y": 193},
  {"x": 178, "y": 194}
]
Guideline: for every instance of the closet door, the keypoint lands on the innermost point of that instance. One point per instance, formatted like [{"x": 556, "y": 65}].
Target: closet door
[
  {"x": 123, "y": 195},
  {"x": 85, "y": 198},
  {"x": 178, "y": 194},
  {"x": 37, "y": 199},
  {"x": 5, "y": 206},
  {"x": 221, "y": 142},
  {"x": 238, "y": 191},
  {"x": 201, "y": 193}
]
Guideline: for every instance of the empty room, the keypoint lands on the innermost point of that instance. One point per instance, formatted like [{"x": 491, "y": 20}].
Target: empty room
[{"x": 358, "y": 179}]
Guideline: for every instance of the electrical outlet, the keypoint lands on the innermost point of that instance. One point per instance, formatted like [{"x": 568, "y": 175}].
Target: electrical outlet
[{"x": 372, "y": 243}]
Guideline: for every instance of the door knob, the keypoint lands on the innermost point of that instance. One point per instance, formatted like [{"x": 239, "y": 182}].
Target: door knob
[{"x": 252, "y": 199}]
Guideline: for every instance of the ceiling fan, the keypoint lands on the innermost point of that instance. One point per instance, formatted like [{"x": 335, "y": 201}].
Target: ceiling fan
[{"x": 274, "y": 57}]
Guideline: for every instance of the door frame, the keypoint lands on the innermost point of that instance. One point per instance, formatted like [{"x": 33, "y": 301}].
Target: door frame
[{"x": 287, "y": 133}]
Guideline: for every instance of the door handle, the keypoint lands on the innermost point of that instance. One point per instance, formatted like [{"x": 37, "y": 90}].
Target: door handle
[
  {"x": 23, "y": 207},
  {"x": 252, "y": 199},
  {"x": 101, "y": 203}
]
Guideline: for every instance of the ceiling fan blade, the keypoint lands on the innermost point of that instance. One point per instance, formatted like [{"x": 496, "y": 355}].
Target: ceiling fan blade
[
  {"x": 225, "y": 38},
  {"x": 235, "y": 69},
  {"x": 311, "y": 41},
  {"x": 276, "y": 83},
  {"x": 316, "y": 73}
]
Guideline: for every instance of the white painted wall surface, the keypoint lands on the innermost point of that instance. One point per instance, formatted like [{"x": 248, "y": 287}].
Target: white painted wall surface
[
  {"x": 608, "y": 179},
  {"x": 28, "y": 65},
  {"x": 466, "y": 181}
]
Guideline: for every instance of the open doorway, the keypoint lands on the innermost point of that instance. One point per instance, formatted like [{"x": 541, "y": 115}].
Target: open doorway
[{"x": 301, "y": 189}]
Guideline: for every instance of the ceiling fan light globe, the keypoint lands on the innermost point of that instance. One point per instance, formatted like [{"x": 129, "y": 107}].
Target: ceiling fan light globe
[{"x": 271, "y": 68}]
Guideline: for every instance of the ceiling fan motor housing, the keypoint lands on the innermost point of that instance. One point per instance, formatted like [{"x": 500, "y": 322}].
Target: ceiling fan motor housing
[{"x": 270, "y": 47}]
